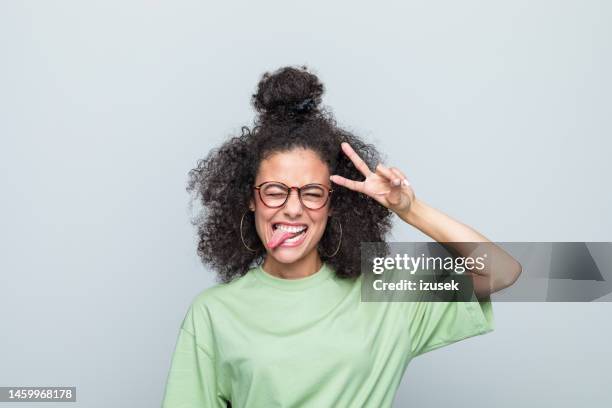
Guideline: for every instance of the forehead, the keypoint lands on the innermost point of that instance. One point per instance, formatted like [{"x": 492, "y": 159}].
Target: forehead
[{"x": 294, "y": 168}]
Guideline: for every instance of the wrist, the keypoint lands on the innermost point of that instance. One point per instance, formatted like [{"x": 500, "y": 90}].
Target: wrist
[{"x": 414, "y": 213}]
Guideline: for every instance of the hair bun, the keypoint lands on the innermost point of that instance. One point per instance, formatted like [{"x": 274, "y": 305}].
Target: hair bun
[{"x": 288, "y": 93}]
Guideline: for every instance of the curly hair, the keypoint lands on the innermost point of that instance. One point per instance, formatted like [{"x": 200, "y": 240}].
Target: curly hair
[{"x": 289, "y": 116}]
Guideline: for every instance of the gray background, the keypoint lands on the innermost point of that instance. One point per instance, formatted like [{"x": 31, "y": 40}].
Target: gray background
[{"x": 499, "y": 112}]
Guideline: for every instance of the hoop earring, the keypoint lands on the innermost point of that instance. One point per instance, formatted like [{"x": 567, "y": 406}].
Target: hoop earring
[
  {"x": 241, "y": 237},
  {"x": 339, "y": 243}
]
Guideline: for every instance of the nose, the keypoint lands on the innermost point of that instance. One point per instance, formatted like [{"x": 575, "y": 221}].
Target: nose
[{"x": 293, "y": 206}]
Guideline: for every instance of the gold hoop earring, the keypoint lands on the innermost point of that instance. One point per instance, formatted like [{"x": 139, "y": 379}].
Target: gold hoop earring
[
  {"x": 241, "y": 237},
  {"x": 339, "y": 243}
]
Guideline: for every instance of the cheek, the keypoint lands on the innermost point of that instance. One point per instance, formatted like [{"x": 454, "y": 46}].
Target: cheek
[
  {"x": 262, "y": 219},
  {"x": 260, "y": 222},
  {"x": 321, "y": 223}
]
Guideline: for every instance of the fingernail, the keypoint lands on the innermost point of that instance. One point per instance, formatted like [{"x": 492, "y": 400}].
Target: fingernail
[
  {"x": 406, "y": 182},
  {"x": 396, "y": 182}
]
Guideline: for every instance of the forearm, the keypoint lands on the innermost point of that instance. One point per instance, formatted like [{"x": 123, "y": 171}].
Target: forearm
[
  {"x": 438, "y": 225},
  {"x": 500, "y": 271}
]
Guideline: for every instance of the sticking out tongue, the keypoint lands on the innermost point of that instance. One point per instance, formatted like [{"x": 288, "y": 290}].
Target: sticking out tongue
[{"x": 279, "y": 236}]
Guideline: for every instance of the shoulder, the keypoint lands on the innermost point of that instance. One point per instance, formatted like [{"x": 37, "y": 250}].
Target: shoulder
[
  {"x": 221, "y": 292},
  {"x": 198, "y": 320}
]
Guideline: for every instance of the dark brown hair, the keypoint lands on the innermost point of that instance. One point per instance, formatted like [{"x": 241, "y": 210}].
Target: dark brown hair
[{"x": 288, "y": 103}]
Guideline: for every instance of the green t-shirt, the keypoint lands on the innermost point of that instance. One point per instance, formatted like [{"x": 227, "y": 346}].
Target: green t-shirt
[{"x": 263, "y": 341}]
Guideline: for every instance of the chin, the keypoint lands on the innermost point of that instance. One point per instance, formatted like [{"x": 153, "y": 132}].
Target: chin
[
  {"x": 289, "y": 255},
  {"x": 286, "y": 255}
]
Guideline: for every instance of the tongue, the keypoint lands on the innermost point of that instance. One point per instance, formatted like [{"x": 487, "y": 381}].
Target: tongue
[{"x": 279, "y": 236}]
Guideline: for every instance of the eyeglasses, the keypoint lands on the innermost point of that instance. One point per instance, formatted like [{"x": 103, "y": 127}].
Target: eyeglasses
[{"x": 274, "y": 194}]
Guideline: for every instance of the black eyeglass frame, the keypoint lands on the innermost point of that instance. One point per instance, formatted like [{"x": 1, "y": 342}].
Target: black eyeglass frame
[{"x": 299, "y": 191}]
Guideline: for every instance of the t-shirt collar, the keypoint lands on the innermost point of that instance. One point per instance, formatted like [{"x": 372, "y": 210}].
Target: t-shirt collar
[{"x": 294, "y": 284}]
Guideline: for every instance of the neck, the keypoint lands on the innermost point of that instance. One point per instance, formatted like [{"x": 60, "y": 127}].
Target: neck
[{"x": 303, "y": 267}]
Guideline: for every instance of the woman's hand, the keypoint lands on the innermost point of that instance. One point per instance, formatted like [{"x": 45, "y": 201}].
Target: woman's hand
[{"x": 388, "y": 186}]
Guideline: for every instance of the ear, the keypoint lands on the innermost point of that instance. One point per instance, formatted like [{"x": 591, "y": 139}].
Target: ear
[{"x": 251, "y": 205}]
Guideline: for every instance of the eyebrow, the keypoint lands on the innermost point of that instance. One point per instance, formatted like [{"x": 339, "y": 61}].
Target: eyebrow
[{"x": 291, "y": 185}]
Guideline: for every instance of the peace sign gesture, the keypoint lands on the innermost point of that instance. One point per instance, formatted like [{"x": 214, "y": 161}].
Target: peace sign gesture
[{"x": 388, "y": 186}]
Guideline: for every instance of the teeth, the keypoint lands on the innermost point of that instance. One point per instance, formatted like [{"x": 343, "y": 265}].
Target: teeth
[{"x": 291, "y": 228}]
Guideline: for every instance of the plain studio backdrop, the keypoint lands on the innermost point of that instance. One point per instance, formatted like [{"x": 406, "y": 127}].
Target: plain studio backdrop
[{"x": 498, "y": 112}]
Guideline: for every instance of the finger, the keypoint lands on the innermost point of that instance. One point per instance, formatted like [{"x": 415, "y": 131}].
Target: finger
[
  {"x": 357, "y": 161},
  {"x": 402, "y": 176},
  {"x": 388, "y": 174},
  {"x": 344, "y": 182},
  {"x": 398, "y": 172},
  {"x": 395, "y": 195}
]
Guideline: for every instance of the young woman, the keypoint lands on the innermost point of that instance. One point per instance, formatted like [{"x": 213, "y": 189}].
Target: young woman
[{"x": 286, "y": 206}]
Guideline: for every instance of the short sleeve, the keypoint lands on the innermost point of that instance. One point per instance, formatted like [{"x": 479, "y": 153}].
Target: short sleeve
[
  {"x": 435, "y": 324},
  {"x": 192, "y": 380}
]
